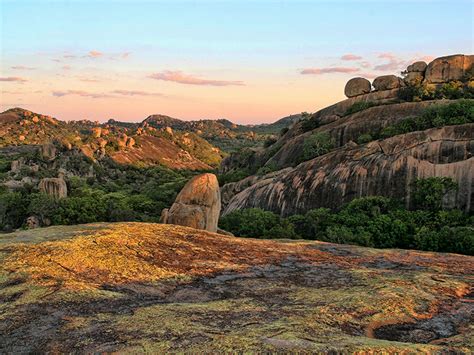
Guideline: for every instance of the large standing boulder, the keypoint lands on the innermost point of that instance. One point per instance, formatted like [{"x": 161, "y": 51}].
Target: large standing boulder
[
  {"x": 48, "y": 151},
  {"x": 55, "y": 187},
  {"x": 450, "y": 68},
  {"x": 356, "y": 87},
  {"x": 197, "y": 205},
  {"x": 386, "y": 82}
]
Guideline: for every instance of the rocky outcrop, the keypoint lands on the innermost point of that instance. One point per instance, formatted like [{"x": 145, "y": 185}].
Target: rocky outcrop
[
  {"x": 55, "y": 187},
  {"x": 387, "y": 82},
  {"x": 350, "y": 128},
  {"x": 446, "y": 69},
  {"x": 357, "y": 86},
  {"x": 197, "y": 205},
  {"x": 48, "y": 151},
  {"x": 385, "y": 168}
]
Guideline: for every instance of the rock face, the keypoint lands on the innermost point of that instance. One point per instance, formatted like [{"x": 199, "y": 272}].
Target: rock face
[
  {"x": 385, "y": 168},
  {"x": 387, "y": 82},
  {"x": 446, "y": 69},
  {"x": 357, "y": 86},
  {"x": 197, "y": 205},
  {"x": 55, "y": 187},
  {"x": 48, "y": 151}
]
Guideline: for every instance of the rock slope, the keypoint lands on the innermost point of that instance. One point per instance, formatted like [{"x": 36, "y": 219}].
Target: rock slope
[
  {"x": 137, "y": 287},
  {"x": 386, "y": 167}
]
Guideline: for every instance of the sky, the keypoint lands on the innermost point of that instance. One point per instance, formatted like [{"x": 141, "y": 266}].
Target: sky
[{"x": 247, "y": 61}]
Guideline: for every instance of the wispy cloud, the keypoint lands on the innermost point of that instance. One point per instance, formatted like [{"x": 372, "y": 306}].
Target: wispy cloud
[
  {"x": 80, "y": 93},
  {"x": 180, "y": 77},
  {"x": 329, "y": 70},
  {"x": 110, "y": 94},
  {"x": 13, "y": 78},
  {"x": 94, "y": 54},
  {"x": 394, "y": 62},
  {"x": 350, "y": 57},
  {"x": 125, "y": 55},
  {"x": 135, "y": 93},
  {"x": 66, "y": 67},
  {"x": 22, "y": 67}
]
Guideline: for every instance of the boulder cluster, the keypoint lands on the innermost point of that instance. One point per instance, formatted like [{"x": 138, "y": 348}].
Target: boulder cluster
[{"x": 440, "y": 70}]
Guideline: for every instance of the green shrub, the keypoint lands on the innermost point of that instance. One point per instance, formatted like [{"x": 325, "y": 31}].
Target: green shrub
[
  {"x": 365, "y": 138},
  {"x": 257, "y": 223},
  {"x": 455, "y": 113},
  {"x": 233, "y": 176},
  {"x": 269, "y": 141},
  {"x": 315, "y": 145},
  {"x": 359, "y": 106},
  {"x": 428, "y": 194}
]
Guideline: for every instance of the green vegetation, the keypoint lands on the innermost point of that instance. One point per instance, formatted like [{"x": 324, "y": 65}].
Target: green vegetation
[
  {"x": 365, "y": 138},
  {"x": 308, "y": 122},
  {"x": 359, "y": 106},
  {"x": 459, "y": 112},
  {"x": 454, "y": 90},
  {"x": 371, "y": 221},
  {"x": 116, "y": 193},
  {"x": 315, "y": 145}
]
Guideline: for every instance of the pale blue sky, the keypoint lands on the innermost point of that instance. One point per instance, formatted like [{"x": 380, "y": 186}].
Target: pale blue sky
[{"x": 247, "y": 41}]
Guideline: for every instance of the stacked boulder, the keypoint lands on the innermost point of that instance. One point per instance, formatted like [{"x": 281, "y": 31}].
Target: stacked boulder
[
  {"x": 415, "y": 73},
  {"x": 387, "y": 82}
]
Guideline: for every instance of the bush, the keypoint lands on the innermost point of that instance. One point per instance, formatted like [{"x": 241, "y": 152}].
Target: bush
[
  {"x": 269, "y": 141},
  {"x": 359, "y": 106},
  {"x": 428, "y": 194},
  {"x": 315, "y": 145},
  {"x": 233, "y": 175},
  {"x": 257, "y": 223},
  {"x": 364, "y": 138},
  {"x": 455, "y": 113},
  {"x": 453, "y": 90}
]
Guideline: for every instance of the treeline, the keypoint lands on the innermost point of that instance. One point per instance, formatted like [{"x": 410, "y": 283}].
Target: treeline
[
  {"x": 124, "y": 193},
  {"x": 371, "y": 221}
]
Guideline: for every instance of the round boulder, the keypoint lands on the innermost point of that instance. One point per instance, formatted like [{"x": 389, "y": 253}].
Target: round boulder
[
  {"x": 417, "y": 67},
  {"x": 197, "y": 205},
  {"x": 357, "y": 86},
  {"x": 386, "y": 82}
]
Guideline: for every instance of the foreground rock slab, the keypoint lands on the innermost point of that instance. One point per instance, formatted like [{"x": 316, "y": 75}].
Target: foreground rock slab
[{"x": 139, "y": 287}]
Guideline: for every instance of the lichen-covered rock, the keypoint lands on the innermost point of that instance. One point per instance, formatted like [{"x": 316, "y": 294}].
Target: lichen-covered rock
[
  {"x": 450, "y": 68},
  {"x": 357, "y": 86},
  {"x": 198, "y": 204},
  {"x": 96, "y": 132},
  {"x": 48, "y": 151},
  {"x": 55, "y": 187},
  {"x": 386, "y": 82},
  {"x": 385, "y": 168}
]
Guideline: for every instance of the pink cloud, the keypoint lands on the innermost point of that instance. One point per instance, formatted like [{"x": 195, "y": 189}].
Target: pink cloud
[
  {"x": 13, "y": 78},
  {"x": 66, "y": 67},
  {"x": 180, "y": 77},
  {"x": 135, "y": 93},
  {"x": 368, "y": 75},
  {"x": 351, "y": 57},
  {"x": 394, "y": 62},
  {"x": 364, "y": 64},
  {"x": 94, "y": 54},
  {"x": 69, "y": 56},
  {"x": 125, "y": 55},
  {"x": 319, "y": 71},
  {"x": 22, "y": 67},
  {"x": 80, "y": 93}
]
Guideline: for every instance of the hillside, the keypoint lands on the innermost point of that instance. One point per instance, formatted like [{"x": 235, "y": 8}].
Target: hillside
[
  {"x": 379, "y": 141},
  {"x": 125, "y": 143},
  {"x": 131, "y": 287}
]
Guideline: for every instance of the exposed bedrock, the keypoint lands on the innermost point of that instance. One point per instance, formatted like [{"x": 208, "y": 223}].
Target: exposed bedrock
[
  {"x": 349, "y": 128},
  {"x": 385, "y": 168}
]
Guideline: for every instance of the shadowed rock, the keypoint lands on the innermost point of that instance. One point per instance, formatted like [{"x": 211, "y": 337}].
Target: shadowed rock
[
  {"x": 357, "y": 86},
  {"x": 387, "y": 82},
  {"x": 197, "y": 205}
]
